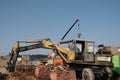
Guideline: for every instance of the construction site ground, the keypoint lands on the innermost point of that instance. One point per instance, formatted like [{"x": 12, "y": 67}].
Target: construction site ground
[
  {"x": 41, "y": 72},
  {"x": 25, "y": 71}
]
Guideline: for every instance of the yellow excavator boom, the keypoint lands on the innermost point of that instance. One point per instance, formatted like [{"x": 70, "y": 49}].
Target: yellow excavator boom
[{"x": 44, "y": 43}]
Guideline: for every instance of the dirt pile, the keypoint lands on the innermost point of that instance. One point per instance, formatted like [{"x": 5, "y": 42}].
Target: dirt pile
[
  {"x": 41, "y": 72},
  {"x": 4, "y": 60},
  {"x": 33, "y": 72},
  {"x": 63, "y": 75},
  {"x": 28, "y": 72},
  {"x": 24, "y": 60}
]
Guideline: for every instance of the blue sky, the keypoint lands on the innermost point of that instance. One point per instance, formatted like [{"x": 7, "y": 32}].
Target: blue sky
[{"x": 38, "y": 19}]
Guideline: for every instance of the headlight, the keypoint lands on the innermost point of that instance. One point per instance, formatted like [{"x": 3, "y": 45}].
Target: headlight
[{"x": 104, "y": 58}]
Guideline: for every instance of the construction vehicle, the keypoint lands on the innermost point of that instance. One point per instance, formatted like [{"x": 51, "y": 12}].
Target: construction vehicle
[{"x": 75, "y": 55}]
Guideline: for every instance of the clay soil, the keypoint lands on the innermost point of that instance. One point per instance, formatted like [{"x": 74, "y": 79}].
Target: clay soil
[{"x": 42, "y": 72}]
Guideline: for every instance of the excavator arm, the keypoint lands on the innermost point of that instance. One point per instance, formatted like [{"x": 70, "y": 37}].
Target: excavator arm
[{"x": 45, "y": 43}]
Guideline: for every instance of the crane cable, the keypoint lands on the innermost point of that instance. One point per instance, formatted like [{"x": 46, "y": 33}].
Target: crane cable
[{"x": 78, "y": 31}]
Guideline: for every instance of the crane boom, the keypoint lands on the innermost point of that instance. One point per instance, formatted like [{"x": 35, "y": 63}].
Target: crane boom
[{"x": 69, "y": 29}]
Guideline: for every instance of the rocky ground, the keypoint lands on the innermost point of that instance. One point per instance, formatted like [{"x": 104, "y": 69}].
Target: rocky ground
[
  {"x": 25, "y": 71},
  {"x": 41, "y": 72}
]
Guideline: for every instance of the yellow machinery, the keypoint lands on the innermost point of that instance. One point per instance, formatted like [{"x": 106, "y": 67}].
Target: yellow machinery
[
  {"x": 76, "y": 55},
  {"x": 88, "y": 65},
  {"x": 45, "y": 43}
]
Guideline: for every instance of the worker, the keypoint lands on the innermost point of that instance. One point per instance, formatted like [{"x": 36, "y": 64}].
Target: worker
[{"x": 52, "y": 55}]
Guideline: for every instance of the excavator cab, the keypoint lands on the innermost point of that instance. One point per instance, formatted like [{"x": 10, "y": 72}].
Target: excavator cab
[
  {"x": 79, "y": 47},
  {"x": 86, "y": 63}
]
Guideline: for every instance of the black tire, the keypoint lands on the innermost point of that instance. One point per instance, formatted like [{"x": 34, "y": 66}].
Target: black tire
[
  {"x": 109, "y": 72},
  {"x": 87, "y": 74}
]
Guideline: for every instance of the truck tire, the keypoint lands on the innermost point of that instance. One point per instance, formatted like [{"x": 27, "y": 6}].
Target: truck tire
[
  {"x": 109, "y": 72},
  {"x": 87, "y": 74}
]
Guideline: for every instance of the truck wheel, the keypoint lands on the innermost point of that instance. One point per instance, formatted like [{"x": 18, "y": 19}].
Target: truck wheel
[
  {"x": 88, "y": 74},
  {"x": 109, "y": 72}
]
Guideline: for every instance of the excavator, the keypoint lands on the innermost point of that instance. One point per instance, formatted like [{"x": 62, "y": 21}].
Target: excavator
[
  {"x": 89, "y": 65},
  {"x": 45, "y": 43}
]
